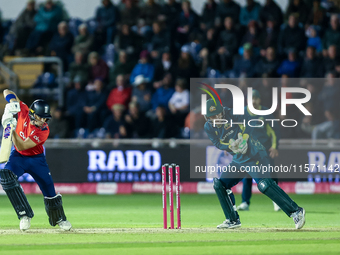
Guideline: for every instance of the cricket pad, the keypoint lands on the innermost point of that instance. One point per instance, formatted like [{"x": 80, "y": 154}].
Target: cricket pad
[
  {"x": 269, "y": 187},
  {"x": 225, "y": 201},
  {"x": 54, "y": 209},
  {"x": 15, "y": 193}
]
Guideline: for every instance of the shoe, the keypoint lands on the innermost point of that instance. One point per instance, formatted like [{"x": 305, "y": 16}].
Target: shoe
[
  {"x": 25, "y": 223},
  {"x": 276, "y": 207},
  {"x": 65, "y": 225},
  {"x": 299, "y": 218},
  {"x": 243, "y": 207},
  {"x": 230, "y": 224}
]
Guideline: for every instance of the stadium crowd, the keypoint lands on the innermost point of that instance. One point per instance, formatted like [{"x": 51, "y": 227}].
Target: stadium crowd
[{"x": 128, "y": 69}]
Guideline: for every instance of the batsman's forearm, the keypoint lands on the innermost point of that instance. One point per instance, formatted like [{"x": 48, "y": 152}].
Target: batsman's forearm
[
  {"x": 7, "y": 92},
  {"x": 18, "y": 142}
]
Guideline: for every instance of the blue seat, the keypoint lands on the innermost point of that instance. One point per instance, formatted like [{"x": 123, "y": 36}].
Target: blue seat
[
  {"x": 92, "y": 25},
  {"x": 73, "y": 25}
]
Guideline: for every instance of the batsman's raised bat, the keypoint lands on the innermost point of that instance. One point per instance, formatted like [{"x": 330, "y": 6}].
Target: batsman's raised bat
[{"x": 6, "y": 143}]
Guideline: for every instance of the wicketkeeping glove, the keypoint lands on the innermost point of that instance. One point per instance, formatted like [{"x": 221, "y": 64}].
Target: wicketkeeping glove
[
  {"x": 234, "y": 145},
  {"x": 242, "y": 143},
  {"x": 13, "y": 107}
]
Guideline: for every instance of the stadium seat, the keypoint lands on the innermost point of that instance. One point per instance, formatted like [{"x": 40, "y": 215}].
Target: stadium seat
[
  {"x": 91, "y": 25},
  {"x": 27, "y": 74}
]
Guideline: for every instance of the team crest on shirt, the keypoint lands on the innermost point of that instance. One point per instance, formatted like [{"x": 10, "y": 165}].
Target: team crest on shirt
[
  {"x": 212, "y": 108},
  {"x": 227, "y": 126}
]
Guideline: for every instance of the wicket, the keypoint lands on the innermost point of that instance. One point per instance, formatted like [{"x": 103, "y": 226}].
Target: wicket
[{"x": 171, "y": 197}]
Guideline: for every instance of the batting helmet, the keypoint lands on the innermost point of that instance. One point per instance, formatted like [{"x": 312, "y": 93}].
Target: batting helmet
[{"x": 40, "y": 108}]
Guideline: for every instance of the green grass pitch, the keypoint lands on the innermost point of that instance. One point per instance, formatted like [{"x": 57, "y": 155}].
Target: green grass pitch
[{"x": 132, "y": 224}]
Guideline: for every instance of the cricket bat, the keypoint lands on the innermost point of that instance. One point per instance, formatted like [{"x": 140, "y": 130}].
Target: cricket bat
[{"x": 6, "y": 143}]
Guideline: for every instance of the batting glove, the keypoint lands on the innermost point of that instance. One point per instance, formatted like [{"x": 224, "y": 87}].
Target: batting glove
[
  {"x": 13, "y": 107},
  {"x": 7, "y": 118}
]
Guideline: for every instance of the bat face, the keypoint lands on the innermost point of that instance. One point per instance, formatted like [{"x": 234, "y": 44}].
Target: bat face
[{"x": 6, "y": 143}]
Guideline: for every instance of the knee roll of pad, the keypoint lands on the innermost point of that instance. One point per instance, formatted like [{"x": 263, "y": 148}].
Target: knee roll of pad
[
  {"x": 54, "y": 209},
  {"x": 225, "y": 201},
  {"x": 275, "y": 193},
  {"x": 15, "y": 193}
]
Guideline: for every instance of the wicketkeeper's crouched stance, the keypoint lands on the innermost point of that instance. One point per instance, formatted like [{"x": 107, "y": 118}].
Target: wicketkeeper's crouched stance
[
  {"x": 28, "y": 157},
  {"x": 246, "y": 152}
]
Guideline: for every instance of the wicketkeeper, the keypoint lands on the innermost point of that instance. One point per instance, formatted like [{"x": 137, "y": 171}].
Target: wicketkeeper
[
  {"x": 247, "y": 152},
  {"x": 31, "y": 132}
]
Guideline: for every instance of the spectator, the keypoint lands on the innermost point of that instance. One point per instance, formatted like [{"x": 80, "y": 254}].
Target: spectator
[
  {"x": 58, "y": 125},
  {"x": 271, "y": 11},
  {"x": 317, "y": 15},
  {"x": 119, "y": 95},
  {"x": 123, "y": 67},
  {"x": 268, "y": 65},
  {"x": 330, "y": 129},
  {"x": 114, "y": 124},
  {"x": 332, "y": 35},
  {"x": 313, "y": 39},
  {"x": 332, "y": 60},
  {"x": 227, "y": 44},
  {"x": 83, "y": 41},
  {"x": 208, "y": 15},
  {"x": 163, "y": 67},
  {"x": 292, "y": 36},
  {"x": 250, "y": 12},
  {"x": 94, "y": 105},
  {"x": 170, "y": 12},
  {"x": 186, "y": 67},
  {"x": 99, "y": 69},
  {"x": 179, "y": 102},
  {"x": 107, "y": 17},
  {"x": 311, "y": 65},
  {"x": 290, "y": 66},
  {"x": 228, "y": 8},
  {"x": 47, "y": 19},
  {"x": 75, "y": 102},
  {"x": 142, "y": 30},
  {"x": 61, "y": 44},
  {"x": 244, "y": 66},
  {"x": 208, "y": 46},
  {"x": 24, "y": 25},
  {"x": 143, "y": 67},
  {"x": 128, "y": 41},
  {"x": 150, "y": 11},
  {"x": 187, "y": 23},
  {"x": 329, "y": 95},
  {"x": 130, "y": 14},
  {"x": 79, "y": 69},
  {"x": 140, "y": 94},
  {"x": 160, "y": 41},
  {"x": 299, "y": 9},
  {"x": 252, "y": 35},
  {"x": 135, "y": 122},
  {"x": 163, "y": 93},
  {"x": 162, "y": 127},
  {"x": 269, "y": 36}
]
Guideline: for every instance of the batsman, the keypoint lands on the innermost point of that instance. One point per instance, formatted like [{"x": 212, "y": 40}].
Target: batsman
[
  {"x": 31, "y": 132},
  {"x": 247, "y": 152}
]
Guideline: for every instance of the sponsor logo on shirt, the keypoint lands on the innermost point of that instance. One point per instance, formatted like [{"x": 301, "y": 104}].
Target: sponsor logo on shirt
[
  {"x": 36, "y": 138},
  {"x": 22, "y": 135}
]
